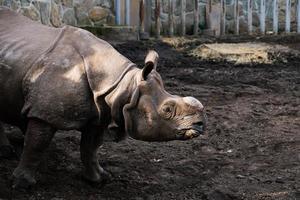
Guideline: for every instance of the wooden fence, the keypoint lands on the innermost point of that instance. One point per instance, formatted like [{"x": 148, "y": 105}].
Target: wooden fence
[{"x": 222, "y": 6}]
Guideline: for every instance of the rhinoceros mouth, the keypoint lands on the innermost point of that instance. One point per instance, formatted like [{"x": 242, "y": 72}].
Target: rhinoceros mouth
[{"x": 194, "y": 131}]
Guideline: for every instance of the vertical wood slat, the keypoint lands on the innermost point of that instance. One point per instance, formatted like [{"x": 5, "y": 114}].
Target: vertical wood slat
[
  {"x": 196, "y": 17},
  {"x": 288, "y": 16},
  {"x": 148, "y": 15},
  {"x": 157, "y": 18},
  {"x": 249, "y": 17},
  {"x": 262, "y": 17},
  {"x": 142, "y": 16},
  {"x": 236, "y": 17},
  {"x": 275, "y": 16},
  {"x": 183, "y": 17},
  {"x": 223, "y": 16},
  {"x": 171, "y": 17},
  {"x": 127, "y": 14},
  {"x": 209, "y": 2},
  {"x": 298, "y": 16},
  {"x": 118, "y": 12}
]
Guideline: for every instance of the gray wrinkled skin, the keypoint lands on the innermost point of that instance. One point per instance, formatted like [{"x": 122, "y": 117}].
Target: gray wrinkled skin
[{"x": 66, "y": 78}]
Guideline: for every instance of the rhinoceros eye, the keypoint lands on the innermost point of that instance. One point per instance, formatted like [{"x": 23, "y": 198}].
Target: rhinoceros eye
[{"x": 168, "y": 109}]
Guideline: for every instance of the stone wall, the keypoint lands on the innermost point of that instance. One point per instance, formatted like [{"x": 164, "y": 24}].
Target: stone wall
[{"x": 72, "y": 12}]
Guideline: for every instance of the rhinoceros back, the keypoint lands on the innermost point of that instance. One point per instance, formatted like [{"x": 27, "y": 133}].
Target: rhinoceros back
[
  {"x": 22, "y": 39},
  {"x": 22, "y": 42}
]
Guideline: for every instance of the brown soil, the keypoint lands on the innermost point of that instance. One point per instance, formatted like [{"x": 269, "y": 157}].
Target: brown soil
[{"x": 251, "y": 150}]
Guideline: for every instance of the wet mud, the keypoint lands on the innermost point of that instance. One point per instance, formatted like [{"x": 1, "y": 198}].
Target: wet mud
[{"x": 251, "y": 149}]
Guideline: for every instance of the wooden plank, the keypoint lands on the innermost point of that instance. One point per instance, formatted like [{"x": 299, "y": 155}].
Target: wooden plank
[
  {"x": 275, "y": 16},
  {"x": 118, "y": 12},
  {"x": 249, "y": 17},
  {"x": 209, "y": 2},
  {"x": 171, "y": 17},
  {"x": 196, "y": 17},
  {"x": 157, "y": 18},
  {"x": 223, "y": 16},
  {"x": 236, "y": 17},
  {"x": 142, "y": 16},
  {"x": 262, "y": 16},
  {"x": 127, "y": 12},
  {"x": 298, "y": 16},
  {"x": 148, "y": 15},
  {"x": 288, "y": 16},
  {"x": 183, "y": 17}
]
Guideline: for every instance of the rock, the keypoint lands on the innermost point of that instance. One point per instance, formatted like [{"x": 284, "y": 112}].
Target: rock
[
  {"x": 6, "y": 3},
  {"x": 44, "y": 9},
  {"x": 98, "y": 13},
  {"x": 82, "y": 6},
  {"x": 83, "y": 19},
  {"x": 111, "y": 20},
  {"x": 67, "y": 3},
  {"x": 104, "y": 3},
  {"x": 25, "y": 3},
  {"x": 15, "y": 5},
  {"x": 220, "y": 195},
  {"x": 55, "y": 15},
  {"x": 69, "y": 17},
  {"x": 31, "y": 12}
]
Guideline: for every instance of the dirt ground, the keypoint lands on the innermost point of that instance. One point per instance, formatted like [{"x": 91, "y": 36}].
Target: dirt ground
[{"x": 251, "y": 149}]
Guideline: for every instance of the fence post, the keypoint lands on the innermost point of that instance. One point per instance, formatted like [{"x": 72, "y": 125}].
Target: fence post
[
  {"x": 148, "y": 15},
  {"x": 118, "y": 12},
  {"x": 171, "y": 17},
  {"x": 236, "y": 17},
  {"x": 127, "y": 10},
  {"x": 196, "y": 17},
  {"x": 298, "y": 16},
  {"x": 249, "y": 9},
  {"x": 275, "y": 16},
  {"x": 262, "y": 16},
  {"x": 142, "y": 16},
  {"x": 183, "y": 20},
  {"x": 288, "y": 16},
  {"x": 223, "y": 16},
  {"x": 157, "y": 17}
]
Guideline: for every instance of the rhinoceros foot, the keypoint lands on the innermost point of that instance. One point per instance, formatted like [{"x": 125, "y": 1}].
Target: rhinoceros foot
[
  {"x": 97, "y": 177},
  {"x": 7, "y": 152},
  {"x": 22, "y": 179}
]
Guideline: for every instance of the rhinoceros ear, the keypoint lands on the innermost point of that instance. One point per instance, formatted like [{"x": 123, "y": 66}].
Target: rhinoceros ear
[{"x": 151, "y": 61}]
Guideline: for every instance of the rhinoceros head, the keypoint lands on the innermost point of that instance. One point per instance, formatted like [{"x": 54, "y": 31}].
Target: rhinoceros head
[{"x": 155, "y": 115}]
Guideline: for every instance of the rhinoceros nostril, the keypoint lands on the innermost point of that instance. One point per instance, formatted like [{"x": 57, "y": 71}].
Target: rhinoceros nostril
[{"x": 199, "y": 126}]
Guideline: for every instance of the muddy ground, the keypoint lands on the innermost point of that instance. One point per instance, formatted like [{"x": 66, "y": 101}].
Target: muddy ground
[{"x": 251, "y": 149}]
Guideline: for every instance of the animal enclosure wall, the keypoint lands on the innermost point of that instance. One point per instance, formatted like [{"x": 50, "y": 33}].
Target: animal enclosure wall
[
  {"x": 219, "y": 17},
  {"x": 168, "y": 17}
]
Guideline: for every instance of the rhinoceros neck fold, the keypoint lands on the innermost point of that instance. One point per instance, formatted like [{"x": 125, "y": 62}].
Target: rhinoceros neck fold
[{"x": 118, "y": 98}]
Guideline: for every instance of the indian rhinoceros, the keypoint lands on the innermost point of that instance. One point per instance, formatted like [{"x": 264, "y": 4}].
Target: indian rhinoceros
[{"x": 66, "y": 78}]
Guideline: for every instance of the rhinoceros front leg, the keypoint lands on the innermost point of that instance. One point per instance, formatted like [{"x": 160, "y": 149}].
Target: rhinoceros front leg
[
  {"x": 91, "y": 140},
  {"x": 6, "y": 150},
  {"x": 37, "y": 138}
]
